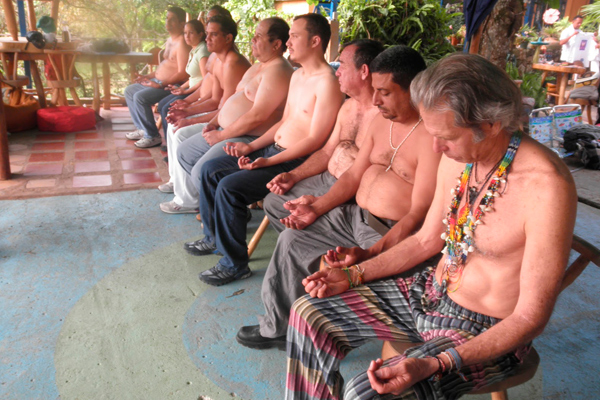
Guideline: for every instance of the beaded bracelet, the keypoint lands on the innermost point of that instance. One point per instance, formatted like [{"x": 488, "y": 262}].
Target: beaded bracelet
[
  {"x": 457, "y": 360},
  {"x": 347, "y": 271},
  {"x": 437, "y": 375},
  {"x": 360, "y": 278},
  {"x": 449, "y": 360},
  {"x": 361, "y": 274}
]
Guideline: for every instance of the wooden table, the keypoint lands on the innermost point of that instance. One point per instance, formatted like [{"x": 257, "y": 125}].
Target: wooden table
[
  {"x": 20, "y": 51},
  {"x": 562, "y": 76},
  {"x": 105, "y": 58}
]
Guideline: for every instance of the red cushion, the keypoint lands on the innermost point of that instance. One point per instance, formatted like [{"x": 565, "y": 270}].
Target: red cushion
[{"x": 66, "y": 119}]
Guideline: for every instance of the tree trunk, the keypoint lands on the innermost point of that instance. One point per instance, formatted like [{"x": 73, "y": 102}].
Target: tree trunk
[{"x": 499, "y": 29}]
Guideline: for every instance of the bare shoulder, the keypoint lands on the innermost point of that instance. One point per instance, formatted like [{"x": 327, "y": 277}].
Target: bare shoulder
[
  {"x": 348, "y": 108},
  {"x": 180, "y": 44},
  {"x": 210, "y": 62},
  {"x": 542, "y": 173},
  {"x": 235, "y": 58},
  {"x": 280, "y": 69},
  {"x": 379, "y": 124}
]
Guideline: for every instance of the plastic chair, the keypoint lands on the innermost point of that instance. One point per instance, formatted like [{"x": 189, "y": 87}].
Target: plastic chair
[
  {"x": 548, "y": 125},
  {"x": 588, "y": 253}
]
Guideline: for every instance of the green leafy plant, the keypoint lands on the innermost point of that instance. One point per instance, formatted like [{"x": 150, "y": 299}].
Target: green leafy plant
[
  {"x": 532, "y": 87},
  {"x": 456, "y": 22},
  {"x": 591, "y": 11},
  {"x": 531, "y": 84},
  {"x": 525, "y": 35},
  {"x": 420, "y": 24}
]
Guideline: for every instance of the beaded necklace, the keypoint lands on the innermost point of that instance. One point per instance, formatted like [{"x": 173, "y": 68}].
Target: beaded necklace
[
  {"x": 401, "y": 143},
  {"x": 461, "y": 225}
]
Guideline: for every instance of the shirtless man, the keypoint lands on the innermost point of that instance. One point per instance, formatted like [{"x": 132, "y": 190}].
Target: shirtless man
[
  {"x": 230, "y": 66},
  {"x": 149, "y": 89},
  {"x": 228, "y": 184},
  {"x": 476, "y": 312},
  {"x": 393, "y": 178},
  {"x": 256, "y": 106},
  {"x": 320, "y": 171},
  {"x": 228, "y": 69}
]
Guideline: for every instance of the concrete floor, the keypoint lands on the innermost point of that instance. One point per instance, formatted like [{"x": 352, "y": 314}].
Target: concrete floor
[{"x": 99, "y": 301}]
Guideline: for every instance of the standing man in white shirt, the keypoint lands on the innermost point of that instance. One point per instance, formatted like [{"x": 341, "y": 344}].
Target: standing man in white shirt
[{"x": 568, "y": 40}]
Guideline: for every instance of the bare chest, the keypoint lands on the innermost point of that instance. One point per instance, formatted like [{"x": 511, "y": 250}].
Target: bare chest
[
  {"x": 501, "y": 228},
  {"x": 251, "y": 87},
  {"x": 302, "y": 98},
  {"x": 400, "y": 160},
  {"x": 169, "y": 53}
]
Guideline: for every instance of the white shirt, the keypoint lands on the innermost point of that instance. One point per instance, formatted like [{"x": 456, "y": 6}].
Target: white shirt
[{"x": 581, "y": 47}]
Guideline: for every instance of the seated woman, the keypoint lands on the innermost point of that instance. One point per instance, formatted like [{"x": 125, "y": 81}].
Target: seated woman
[{"x": 194, "y": 36}]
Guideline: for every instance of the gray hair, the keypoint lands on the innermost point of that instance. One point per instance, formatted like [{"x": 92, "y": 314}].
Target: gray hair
[{"x": 474, "y": 89}]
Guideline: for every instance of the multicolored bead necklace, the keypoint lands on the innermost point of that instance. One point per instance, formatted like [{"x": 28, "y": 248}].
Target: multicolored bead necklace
[{"x": 461, "y": 225}]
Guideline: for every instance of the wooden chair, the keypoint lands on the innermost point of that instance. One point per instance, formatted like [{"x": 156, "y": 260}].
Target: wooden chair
[
  {"x": 63, "y": 63},
  {"x": 588, "y": 98},
  {"x": 10, "y": 66},
  {"x": 253, "y": 243},
  {"x": 587, "y": 253}
]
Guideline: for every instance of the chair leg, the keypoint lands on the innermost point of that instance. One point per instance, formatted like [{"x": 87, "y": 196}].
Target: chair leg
[
  {"x": 257, "y": 236},
  {"x": 503, "y": 395},
  {"x": 589, "y": 113}
]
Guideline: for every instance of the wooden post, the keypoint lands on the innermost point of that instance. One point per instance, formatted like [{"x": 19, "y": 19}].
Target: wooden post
[
  {"x": 475, "y": 40},
  {"x": 31, "y": 15},
  {"x": 106, "y": 80},
  {"x": 334, "y": 41},
  {"x": 11, "y": 19},
  {"x": 54, "y": 13},
  {"x": 4, "y": 164}
]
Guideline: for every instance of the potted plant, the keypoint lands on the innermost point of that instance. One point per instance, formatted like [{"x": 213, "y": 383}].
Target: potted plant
[{"x": 525, "y": 35}]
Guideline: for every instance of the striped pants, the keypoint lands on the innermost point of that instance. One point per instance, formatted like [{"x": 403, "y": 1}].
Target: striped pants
[{"x": 322, "y": 331}]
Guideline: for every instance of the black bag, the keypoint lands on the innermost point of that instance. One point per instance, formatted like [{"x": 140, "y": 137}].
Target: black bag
[
  {"x": 36, "y": 38},
  {"x": 110, "y": 46},
  {"x": 584, "y": 140}
]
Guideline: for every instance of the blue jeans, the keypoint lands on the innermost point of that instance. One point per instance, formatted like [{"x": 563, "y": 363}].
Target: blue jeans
[
  {"x": 163, "y": 108},
  {"x": 140, "y": 100},
  {"x": 225, "y": 192},
  {"x": 194, "y": 152}
]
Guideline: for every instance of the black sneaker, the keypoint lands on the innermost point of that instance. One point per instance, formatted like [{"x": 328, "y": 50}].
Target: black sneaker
[
  {"x": 250, "y": 336},
  {"x": 163, "y": 148},
  {"x": 218, "y": 275},
  {"x": 200, "y": 248}
]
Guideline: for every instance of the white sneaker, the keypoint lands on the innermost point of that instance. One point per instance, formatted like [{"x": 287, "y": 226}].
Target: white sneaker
[
  {"x": 135, "y": 135},
  {"x": 166, "y": 187},
  {"x": 170, "y": 207},
  {"x": 151, "y": 142}
]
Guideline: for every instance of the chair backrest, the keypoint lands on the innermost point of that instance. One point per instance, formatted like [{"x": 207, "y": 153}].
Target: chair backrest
[
  {"x": 565, "y": 116},
  {"x": 587, "y": 253},
  {"x": 540, "y": 124}
]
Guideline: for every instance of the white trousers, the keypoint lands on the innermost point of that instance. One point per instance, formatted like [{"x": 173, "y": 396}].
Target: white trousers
[{"x": 186, "y": 195}]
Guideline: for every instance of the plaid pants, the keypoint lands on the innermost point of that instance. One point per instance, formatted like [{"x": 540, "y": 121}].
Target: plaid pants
[{"x": 322, "y": 331}]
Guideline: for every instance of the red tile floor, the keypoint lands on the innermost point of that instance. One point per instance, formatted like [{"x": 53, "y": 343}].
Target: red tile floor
[{"x": 103, "y": 160}]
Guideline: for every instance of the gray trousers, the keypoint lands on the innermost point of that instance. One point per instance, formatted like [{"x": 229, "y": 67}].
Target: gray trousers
[
  {"x": 297, "y": 255},
  {"x": 316, "y": 185}
]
